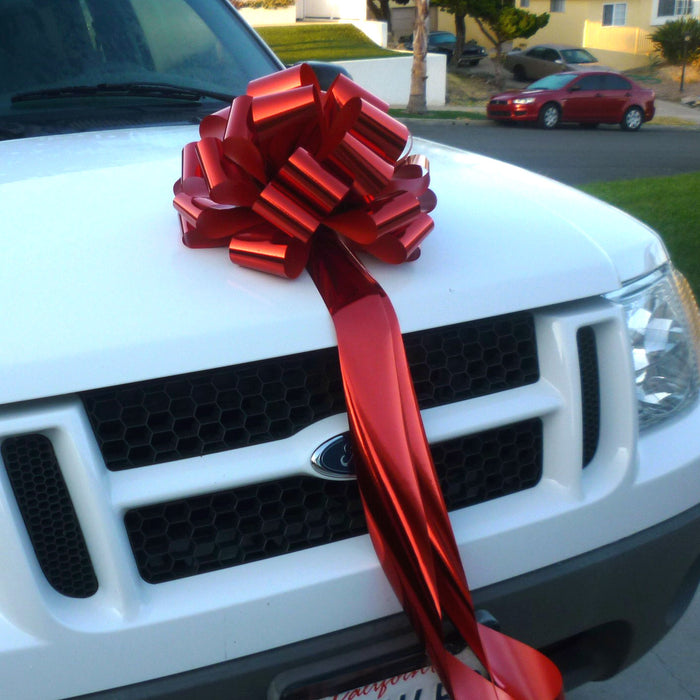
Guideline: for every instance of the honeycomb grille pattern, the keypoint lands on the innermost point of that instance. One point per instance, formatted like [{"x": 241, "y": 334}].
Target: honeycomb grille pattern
[
  {"x": 196, "y": 414},
  {"x": 218, "y": 530},
  {"x": 48, "y": 514},
  {"x": 590, "y": 392}
]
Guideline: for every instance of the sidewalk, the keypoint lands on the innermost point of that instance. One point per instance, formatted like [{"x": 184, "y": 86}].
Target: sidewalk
[{"x": 678, "y": 111}]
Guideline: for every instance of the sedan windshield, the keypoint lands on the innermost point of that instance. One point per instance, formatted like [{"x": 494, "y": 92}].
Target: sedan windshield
[
  {"x": 74, "y": 60},
  {"x": 552, "y": 82},
  {"x": 578, "y": 56}
]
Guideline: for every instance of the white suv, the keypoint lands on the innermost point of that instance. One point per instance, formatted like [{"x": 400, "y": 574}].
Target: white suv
[{"x": 165, "y": 531}]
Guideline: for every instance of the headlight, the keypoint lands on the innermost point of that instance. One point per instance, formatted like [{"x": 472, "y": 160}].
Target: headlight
[
  {"x": 664, "y": 332},
  {"x": 523, "y": 100}
]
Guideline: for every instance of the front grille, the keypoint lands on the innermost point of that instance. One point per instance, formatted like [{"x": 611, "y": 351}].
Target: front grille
[
  {"x": 197, "y": 414},
  {"x": 48, "y": 513},
  {"x": 218, "y": 530}
]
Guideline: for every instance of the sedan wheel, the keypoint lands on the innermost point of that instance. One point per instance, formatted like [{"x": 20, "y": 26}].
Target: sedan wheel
[
  {"x": 549, "y": 116},
  {"x": 519, "y": 73},
  {"x": 633, "y": 119}
]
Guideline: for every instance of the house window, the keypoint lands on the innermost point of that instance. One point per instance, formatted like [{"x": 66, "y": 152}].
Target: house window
[
  {"x": 615, "y": 14},
  {"x": 556, "y": 5},
  {"x": 674, "y": 8},
  {"x": 524, "y": 3}
]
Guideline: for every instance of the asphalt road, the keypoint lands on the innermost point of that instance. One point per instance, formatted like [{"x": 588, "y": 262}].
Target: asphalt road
[
  {"x": 670, "y": 671},
  {"x": 571, "y": 154}
]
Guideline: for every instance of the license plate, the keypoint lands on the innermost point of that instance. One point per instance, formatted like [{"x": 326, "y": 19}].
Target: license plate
[{"x": 422, "y": 684}]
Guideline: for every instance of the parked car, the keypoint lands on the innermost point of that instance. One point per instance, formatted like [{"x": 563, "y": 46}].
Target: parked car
[
  {"x": 179, "y": 513},
  {"x": 445, "y": 42},
  {"x": 602, "y": 97},
  {"x": 326, "y": 73},
  {"x": 545, "y": 59}
]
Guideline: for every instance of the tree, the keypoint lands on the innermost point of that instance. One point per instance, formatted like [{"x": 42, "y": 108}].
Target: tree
[
  {"x": 670, "y": 40},
  {"x": 416, "y": 99},
  {"x": 458, "y": 8},
  {"x": 499, "y": 20},
  {"x": 380, "y": 10}
]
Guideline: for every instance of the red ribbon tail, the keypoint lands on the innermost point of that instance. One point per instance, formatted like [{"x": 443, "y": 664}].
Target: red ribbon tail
[{"x": 405, "y": 511}]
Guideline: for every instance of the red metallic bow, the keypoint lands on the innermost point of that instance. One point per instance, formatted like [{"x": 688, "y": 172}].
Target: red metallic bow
[
  {"x": 287, "y": 160},
  {"x": 291, "y": 177}
]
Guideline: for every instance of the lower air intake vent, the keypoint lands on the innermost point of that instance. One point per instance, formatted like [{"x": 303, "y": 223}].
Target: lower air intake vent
[
  {"x": 48, "y": 514},
  {"x": 590, "y": 392},
  {"x": 218, "y": 530}
]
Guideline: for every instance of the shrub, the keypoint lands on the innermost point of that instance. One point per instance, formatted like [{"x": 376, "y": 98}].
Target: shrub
[{"x": 670, "y": 40}]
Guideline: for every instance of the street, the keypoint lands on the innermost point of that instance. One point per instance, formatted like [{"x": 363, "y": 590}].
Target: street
[
  {"x": 571, "y": 154},
  {"x": 671, "y": 671}
]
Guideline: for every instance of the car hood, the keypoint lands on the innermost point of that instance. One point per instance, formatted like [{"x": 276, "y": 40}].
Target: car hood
[
  {"x": 520, "y": 93},
  {"x": 98, "y": 289}
]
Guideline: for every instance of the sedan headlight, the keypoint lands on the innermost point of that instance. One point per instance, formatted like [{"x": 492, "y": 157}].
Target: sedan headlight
[
  {"x": 664, "y": 332},
  {"x": 523, "y": 100}
]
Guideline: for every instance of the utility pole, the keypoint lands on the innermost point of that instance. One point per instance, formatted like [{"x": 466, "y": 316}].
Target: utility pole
[{"x": 686, "y": 41}]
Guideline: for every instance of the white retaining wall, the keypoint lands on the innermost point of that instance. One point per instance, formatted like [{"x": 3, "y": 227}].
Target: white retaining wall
[
  {"x": 332, "y": 9},
  {"x": 390, "y": 78},
  {"x": 259, "y": 17},
  {"x": 376, "y": 31}
]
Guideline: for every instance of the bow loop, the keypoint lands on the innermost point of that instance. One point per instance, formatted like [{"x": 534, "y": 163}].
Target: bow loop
[
  {"x": 297, "y": 76},
  {"x": 286, "y": 160}
]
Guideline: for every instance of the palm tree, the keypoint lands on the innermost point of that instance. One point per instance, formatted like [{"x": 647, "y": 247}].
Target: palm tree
[{"x": 416, "y": 99}]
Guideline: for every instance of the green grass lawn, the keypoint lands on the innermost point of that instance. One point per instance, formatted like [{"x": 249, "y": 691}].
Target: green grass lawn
[
  {"x": 437, "y": 114},
  {"x": 671, "y": 206},
  {"x": 320, "y": 42}
]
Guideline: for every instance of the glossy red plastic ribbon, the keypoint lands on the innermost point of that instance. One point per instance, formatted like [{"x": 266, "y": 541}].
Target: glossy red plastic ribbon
[
  {"x": 291, "y": 177},
  {"x": 287, "y": 160}
]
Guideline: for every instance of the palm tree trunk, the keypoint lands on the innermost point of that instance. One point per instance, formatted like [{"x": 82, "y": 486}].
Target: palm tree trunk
[{"x": 416, "y": 100}]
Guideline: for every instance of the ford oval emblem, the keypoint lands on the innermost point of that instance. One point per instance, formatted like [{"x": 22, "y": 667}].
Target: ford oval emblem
[{"x": 333, "y": 459}]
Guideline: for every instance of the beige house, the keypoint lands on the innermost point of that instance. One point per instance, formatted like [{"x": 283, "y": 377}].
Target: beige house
[{"x": 617, "y": 33}]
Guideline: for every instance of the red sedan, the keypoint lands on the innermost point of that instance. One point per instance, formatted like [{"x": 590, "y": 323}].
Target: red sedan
[{"x": 598, "y": 97}]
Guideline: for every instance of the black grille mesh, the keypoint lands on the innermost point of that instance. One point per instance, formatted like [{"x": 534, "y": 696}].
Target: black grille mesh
[
  {"x": 196, "y": 414},
  {"x": 590, "y": 391},
  {"x": 48, "y": 514},
  {"x": 218, "y": 530}
]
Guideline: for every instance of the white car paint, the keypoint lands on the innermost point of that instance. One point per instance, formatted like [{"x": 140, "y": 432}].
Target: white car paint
[
  {"x": 100, "y": 276},
  {"x": 101, "y": 291}
]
